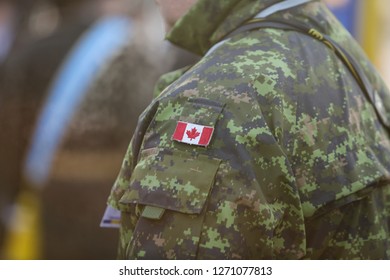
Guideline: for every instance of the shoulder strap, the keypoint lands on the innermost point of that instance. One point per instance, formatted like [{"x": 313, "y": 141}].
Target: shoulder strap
[{"x": 349, "y": 61}]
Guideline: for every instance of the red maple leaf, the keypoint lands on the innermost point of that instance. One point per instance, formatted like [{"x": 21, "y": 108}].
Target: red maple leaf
[{"x": 192, "y": 134}]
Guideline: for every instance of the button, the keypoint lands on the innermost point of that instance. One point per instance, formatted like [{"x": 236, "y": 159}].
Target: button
[{"x": 153, "y": 213}]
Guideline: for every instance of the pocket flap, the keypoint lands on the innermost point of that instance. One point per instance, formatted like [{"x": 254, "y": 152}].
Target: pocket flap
[
  {"x": 201, "y": 111},
  {"x": 178, "y": 181}
]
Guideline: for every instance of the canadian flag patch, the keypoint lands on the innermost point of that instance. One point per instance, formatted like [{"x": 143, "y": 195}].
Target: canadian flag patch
[{"x": 193, "y": 134}]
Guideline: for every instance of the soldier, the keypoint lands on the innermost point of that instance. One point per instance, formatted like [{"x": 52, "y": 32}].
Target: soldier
[{"x": 274, "y": 146}]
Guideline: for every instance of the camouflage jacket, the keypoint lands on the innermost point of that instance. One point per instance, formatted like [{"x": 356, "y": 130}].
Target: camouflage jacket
[{"x": 297, "y": 165}]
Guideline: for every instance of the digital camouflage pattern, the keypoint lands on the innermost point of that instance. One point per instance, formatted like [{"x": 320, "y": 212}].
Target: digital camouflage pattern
[{"x": 298, "y": 165}]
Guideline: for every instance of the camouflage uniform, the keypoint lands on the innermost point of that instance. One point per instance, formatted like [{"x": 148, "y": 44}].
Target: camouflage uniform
[{"x": 298, "y": 164}]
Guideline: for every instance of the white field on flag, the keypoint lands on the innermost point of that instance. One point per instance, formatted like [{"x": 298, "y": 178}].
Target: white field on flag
[
  {"x": 197, "y": 270},
  {"x": 193, "y": 134}
]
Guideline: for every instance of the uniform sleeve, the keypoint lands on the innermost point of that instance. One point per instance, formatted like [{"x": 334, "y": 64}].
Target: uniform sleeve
[{"x": 122, "y": 182}]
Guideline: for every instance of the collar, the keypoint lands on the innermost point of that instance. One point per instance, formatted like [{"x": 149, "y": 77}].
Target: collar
[
  {"x": 281, "y": 6},
  {"x": 207, "y": 22}
]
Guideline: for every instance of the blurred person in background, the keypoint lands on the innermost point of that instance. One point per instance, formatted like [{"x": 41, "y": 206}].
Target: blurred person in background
[
  {"x": 85, "y": 163},
  {"x": 24, "y": 82},
  {"x": 31, "y": 79}
]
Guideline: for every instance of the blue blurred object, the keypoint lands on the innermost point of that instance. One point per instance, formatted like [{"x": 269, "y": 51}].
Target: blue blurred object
[
  {"x": 78, "y": 71},
  {"x": 348, "y": 14}
]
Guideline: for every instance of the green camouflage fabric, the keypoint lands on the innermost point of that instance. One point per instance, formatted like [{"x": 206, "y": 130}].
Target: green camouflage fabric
[{"x": 298, "y": 164}]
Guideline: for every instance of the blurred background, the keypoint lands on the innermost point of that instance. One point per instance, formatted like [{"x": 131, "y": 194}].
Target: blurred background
[{"x": 60, "y": 153}]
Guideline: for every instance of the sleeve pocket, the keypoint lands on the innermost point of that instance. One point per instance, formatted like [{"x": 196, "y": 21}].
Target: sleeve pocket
[
  {"x": 177, "y": 181},
  {"x": 170, "y": 191}
]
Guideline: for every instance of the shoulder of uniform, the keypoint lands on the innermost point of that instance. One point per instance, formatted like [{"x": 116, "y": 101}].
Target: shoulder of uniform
[{"x": 168, "y": 78}]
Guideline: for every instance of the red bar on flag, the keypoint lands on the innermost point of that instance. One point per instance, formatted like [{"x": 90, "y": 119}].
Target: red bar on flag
[{"x": 193, "y": 134}]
